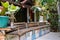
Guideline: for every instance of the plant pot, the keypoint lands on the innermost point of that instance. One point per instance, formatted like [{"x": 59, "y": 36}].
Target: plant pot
[
  {"x": 4, "y": 21},
  {"x": 41, "y": 19}
]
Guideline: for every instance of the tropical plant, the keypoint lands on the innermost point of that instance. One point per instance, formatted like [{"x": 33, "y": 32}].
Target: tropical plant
[
  {"x": 13, "y": 8},
  {"x": 7, "y": 7},
  {"x": 53, "y": 16},
  {"x": 5, "y": 4},
  {"x": 36, "y": 11},
  {"x": 51, "y": 6},
  {"x": 53, "y": 19}
]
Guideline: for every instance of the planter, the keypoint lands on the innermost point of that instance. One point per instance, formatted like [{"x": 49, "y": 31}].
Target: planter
[
  {"x": 4, "y": 21},
  {"x": 41, "y": 19}
]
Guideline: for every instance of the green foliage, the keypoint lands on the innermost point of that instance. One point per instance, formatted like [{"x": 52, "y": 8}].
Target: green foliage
[
  {"x": 53, "y": 19},
  {"x": 13, "y": 8},
  {"x": 5, "y": 4},
  {"x": 51, "y": 6},
  {"x": 8, "y": 7},
  {"x": 50, "y": 1},
  {"x": 36, "y": 9}
]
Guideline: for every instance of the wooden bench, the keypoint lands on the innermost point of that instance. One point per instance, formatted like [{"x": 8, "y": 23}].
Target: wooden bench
[
  {"x": 33, "y": 24},
  {"x": 23, "y": 25},
  {"x": 31, "y": 27},
  {"x": 42, "y": 23},
  {"x": 16, "y": 26},
  {"x": 23, "y": 31}
]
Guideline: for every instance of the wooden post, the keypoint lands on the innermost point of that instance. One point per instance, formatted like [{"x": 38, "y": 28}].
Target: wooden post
[
  {"x": 35, "y": 16},
  {"x": 28, "y": 17},
  {"x": 12, "y": 19}
]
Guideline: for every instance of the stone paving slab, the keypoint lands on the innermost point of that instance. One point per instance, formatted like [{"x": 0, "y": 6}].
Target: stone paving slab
[{"x": 50, "y": 36}]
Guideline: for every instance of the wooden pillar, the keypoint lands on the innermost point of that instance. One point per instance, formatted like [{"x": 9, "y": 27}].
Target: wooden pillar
[
  {"x": 28, "y": 17},
  {"x": 35, "y": 16},
  {"x": 12, "y": 19}
]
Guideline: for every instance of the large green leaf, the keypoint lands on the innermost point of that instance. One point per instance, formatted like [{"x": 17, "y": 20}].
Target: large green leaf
[
  {"x": 36, "y": 9},
  {"x": 5, "y": 4},
  {"x": 13, "y": 8}
]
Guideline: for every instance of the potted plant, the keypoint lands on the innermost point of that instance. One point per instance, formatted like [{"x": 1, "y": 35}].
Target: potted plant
[
  {"x": 36, "y": 11},
  {"x": 3, "y": 19},
  {"x": 12, "y": 9},
  {"x": 6, "y": 7}
]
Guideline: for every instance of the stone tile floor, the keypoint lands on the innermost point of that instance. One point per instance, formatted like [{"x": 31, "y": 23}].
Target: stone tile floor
[{"x": 50, "y": 36}]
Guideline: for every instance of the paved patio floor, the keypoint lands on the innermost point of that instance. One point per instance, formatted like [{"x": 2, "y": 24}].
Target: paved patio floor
[{"x": 50, "y": 36}]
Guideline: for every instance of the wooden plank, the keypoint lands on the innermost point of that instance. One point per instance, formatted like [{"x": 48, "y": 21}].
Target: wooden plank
[{"x": 5, "y": 29}]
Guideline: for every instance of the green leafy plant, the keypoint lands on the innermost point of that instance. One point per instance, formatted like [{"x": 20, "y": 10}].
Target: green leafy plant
[
  {"x": 36, "y": 11},
  {"x": 13, "y": 8},
  {"x": 51, "y": 6},
  {"x": 5, "y": 4},
  {"x": 53, "y": 19},
  {"x": 7, "y": 7}
]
